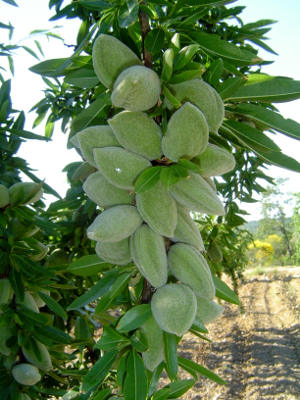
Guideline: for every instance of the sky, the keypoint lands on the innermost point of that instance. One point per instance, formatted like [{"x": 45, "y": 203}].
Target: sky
[{"x": 48, "y": 159}]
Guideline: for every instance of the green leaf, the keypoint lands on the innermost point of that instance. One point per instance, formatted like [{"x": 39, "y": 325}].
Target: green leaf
[
  {"x": 139, "y": 341},
  {"x": 167, "y": 65},
  {"x": 147, "y": 179},
  {"x": 112, "y": 340},
  {"x": 49, "y": 67},
  {"x": 212, "y": 44},
  {"x": 189, "y": 165},
  {"x": 170, "y": 342},
  {"x": 98, "y": 372},
  {"x": 224, "y": 292},
  {"x": 167, "y": 176},
  {"x": 214, "y": 72},
  {"x": 11, "y": 2},
  {"x": 171, "y": 98},
  {"x": 87, "y": 265},
  {"x": 273, "y": 119},
  {"x": 52, "y": 333},
  {"x": 27, "y": 134},
  {"x": 97, "y": 5},
  {"x": 267, "y": 88},
  {"x": 128, "y": 14},
  {"x": 87, "y": 115},
  {"x": 179, "y": 387},
  {"x": 191, "y": 366},
  {"x": 94, "y": 293},
  {"x": 113, "y": 292},
  {"x": 102, "y": 395},
  {"x": 53, "y": 305},
  {"x": 134, "y": 318},
  {"x": 230, "y": 86},
  {"x": 83, "y": 78},
  {"x": 135, "y": 385},
  {"x": 251, "y": 136},
  {"x": 187, "y": 75},
  {"x": 280, "y": 160},
  {"x": 185, "y": 55},
  {"x": 154, "y": 40}
]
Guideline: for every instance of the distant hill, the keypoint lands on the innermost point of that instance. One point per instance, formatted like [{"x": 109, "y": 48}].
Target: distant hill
[{"x": 252, "y": 226}]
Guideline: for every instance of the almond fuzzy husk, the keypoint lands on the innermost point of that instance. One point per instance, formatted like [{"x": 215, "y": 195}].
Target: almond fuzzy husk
[
  {"x": 207, "y": 310},
  {"x": 154, "y": 335},
  {"x": 214, "y": 161},
  {"x": 95, "y": 136},
  {"x": 137, "y": 132},
  {"x": 174, "y": 308},
  {"x": 187, "y": 231},
  {"x": 187, "y": 133},
  {"x": 115, "y": 224},
  {"x": 195, "y": 194},
  {"x": 149, "y": 255},
  {"x": 191, "y": 268},
  {"x": 203, "y": 96},
  {"x": 158, "y": 209},
  {"x": 114, "y": 253},
  {"x": 110, "y": 57},
  {"x": 136, "y": 89},
  {"x": 119, "y": 166},
  {"x": 103, "y": 193}
]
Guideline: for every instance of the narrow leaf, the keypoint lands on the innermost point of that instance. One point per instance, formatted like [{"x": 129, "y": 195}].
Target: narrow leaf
[
  {"x": 134, "y": 318},
  {"x": 97, "y": 374},
  {"x": 147, "y": 179},
  {"x": 189, "y": 365},
  {"x": 224, "y": 292},
  {"x": 170, "y": 342},
  {"x": 87, "y": 265},
  {"x": 53, "y": 305},
  {"x": 135, "y": 385}
]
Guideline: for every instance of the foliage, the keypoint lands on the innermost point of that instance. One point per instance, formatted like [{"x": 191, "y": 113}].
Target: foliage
[{"x": 93, "y": 312}]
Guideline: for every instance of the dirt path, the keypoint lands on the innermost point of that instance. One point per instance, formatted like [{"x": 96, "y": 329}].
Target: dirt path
[{"x": 257, "y": 352}]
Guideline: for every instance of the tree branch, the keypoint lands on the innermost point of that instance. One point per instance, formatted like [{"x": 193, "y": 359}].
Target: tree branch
[{"x": 145, "y": 28}]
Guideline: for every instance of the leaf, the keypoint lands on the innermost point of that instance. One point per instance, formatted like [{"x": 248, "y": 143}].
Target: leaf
[
  {"x": 230, "y": 86},
  {"x": 139, "y": 341},
  {"x": 212, "y": 44},
  {"x": 179, "y": 387},
  {"x": 154, "y": 40},
  {"x": 94, "y": 293},
  {"x": 112, "y": 340},
  {"x": 102, "y": 395},
  {"x": 135, "y": 385},
  {"x": 87, "y": 265},
  {"x": 251, "y": 136},
  {"x": 191, "y": 366},
  {"x": 171, "y": 98},
  {"x": 55, "y": 334},
  {"x": 11, "y": 2},
  {"x": 167, "y": 65},
  {"x": 113, "y": 292},
  {"x": 147, "y": 179},
  {"x": 273, "y": 119},
  {"x": 128, "y": 14},
  {"x": 170, "y": 342},
  {"x": 280, "y": 160},
  {"x": 53, "y": 305},
  {"x": 267, "y": 88},
  {"x": 49, "y": 67},
  {"x": 98, "y": 372},
  {"x": 185, "y": 55},
  {"x": 224, "y": 292},
  {"x": 87, "y": 115},
  {"x": 187, "y": 75},
  {"x": 27, "y": 134},
  {"x": 134, "y": 318},
  {"x": 97, "y": 5},
  {"x": 214, "y": 72},
  {"x": 83, "y": 78},
  {"x": 167, "y": 177},
  {"x": 189, "y": 165}
]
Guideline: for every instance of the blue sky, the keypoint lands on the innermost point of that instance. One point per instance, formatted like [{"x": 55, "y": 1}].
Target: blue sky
[{"x": 50, "y": 158}]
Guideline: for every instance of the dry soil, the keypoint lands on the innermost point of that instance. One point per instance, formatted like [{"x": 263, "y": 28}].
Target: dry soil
[{"x": 256, "y": 350}]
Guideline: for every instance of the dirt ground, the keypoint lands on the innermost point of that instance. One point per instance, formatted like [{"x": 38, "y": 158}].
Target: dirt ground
[{"x": 257, "y": 351}]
